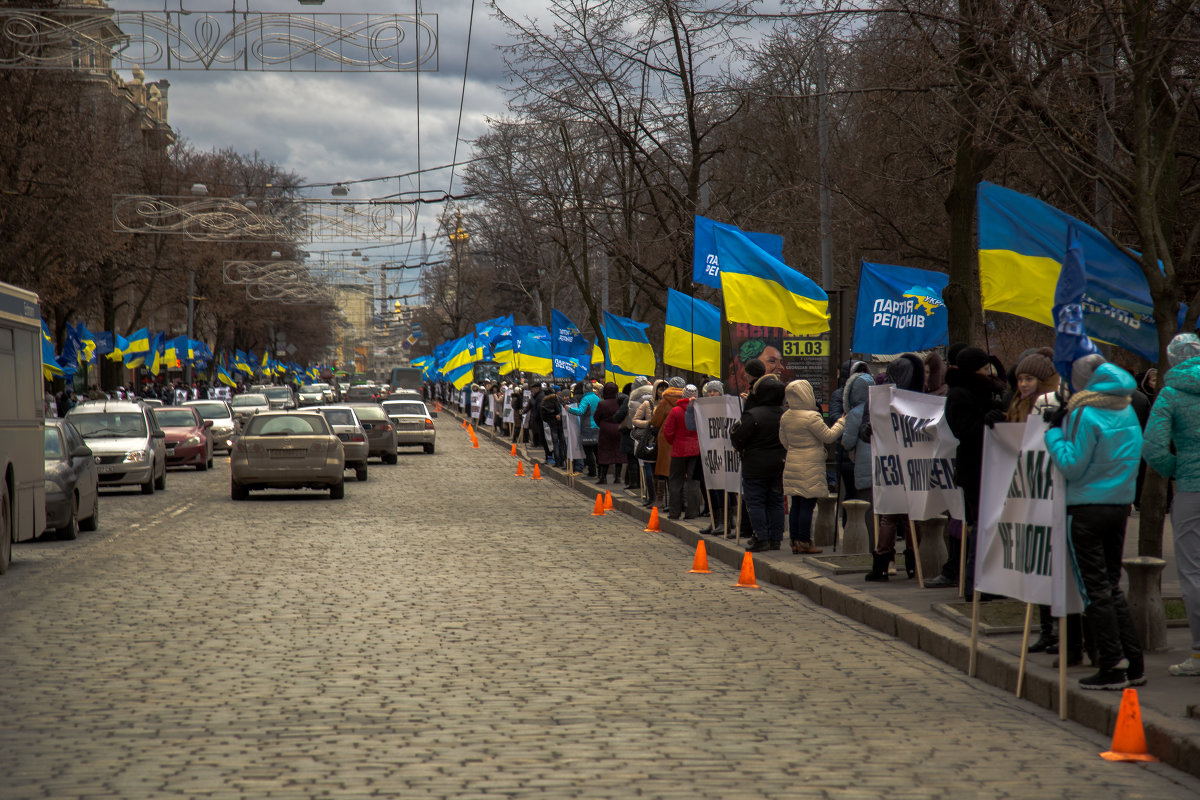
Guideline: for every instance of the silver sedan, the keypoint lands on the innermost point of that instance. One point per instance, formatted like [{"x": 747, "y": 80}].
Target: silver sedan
[{"x": 287, "y": 450}]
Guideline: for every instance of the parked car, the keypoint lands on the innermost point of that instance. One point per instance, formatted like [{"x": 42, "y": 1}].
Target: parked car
[
  {"x": 361, "y": 394},
  {"x": 412, "y": 422},
  {"x": 310, "y": 394},
  {"x": 188, "y": 441},
  {"x": 381, "y": 434},
  {"x": 72, "y": 483},
  {"x": 245, "y": 406},
  {"x": 224, "y": 426},
  {"x": 354, "y": 439},
  {"x": 126, "y": 442},
  {"x": 287, "y": 450},
  {"x": 405, "y": 394}
]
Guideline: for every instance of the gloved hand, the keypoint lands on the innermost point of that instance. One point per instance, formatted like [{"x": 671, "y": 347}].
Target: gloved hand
[
  {"x": 993, "y": 416},
  {"x": 1056, "y": 417}
]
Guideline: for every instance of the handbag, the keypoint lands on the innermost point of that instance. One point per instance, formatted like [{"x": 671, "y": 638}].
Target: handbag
[
  {"x": 646, "y": 445},
  {"x": 589, "y": 436}
]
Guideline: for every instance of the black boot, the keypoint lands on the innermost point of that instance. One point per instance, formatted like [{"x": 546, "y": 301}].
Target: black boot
[
  {"x": 603, "y": 478},
  {"x": 910, "y": 563},
  {"x": 879, "y": 567}
]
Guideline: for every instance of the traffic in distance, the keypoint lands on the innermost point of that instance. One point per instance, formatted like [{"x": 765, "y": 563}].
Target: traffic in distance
[{"x": 269, "y": 437}]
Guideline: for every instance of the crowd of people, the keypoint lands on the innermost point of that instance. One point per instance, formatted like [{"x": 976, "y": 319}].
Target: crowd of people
[{"x": 1105, "y": 427}]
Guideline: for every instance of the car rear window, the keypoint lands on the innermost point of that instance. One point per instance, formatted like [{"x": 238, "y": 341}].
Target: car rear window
[
  {"x": 249, "y": 400},
  {"x": 340, "y": 416},
  {"x": 174, "y": 417},
  {"x": 400, "y": 408},
  {"x": 53, "y": 443},
  {"x": 279, "y": 393},
  {"x": 370, "y": 413},
  {"x": 290, "y": 425}
]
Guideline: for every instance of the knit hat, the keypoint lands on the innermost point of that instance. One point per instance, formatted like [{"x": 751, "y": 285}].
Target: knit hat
[
  {"x": 714, "y": 386},
  {"x": 677, "y": 382},
  {"x": 640, "y": 380},
  {"x": 1083, "y": 369},
  {"x": 971, "y": 359},
  {"x": 689, "y": 391},
  {"x": 755, "y": 369},
  {"x": 1183, "y": 347},
  {"x": 1037, "y": 365}
]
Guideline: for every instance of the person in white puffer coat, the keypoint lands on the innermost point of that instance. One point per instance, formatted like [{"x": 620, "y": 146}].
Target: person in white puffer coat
[{"x": 805, "y": 435}]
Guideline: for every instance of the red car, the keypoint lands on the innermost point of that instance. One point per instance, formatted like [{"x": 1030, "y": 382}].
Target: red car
[{"x": 188, "y": 440}]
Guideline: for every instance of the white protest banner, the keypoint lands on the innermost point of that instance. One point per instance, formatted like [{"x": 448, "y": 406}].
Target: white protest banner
[
  {"x": 571, "y": 425},
  {"x": 476, "y": 405},
  {"x": 722, "y": 464},
  {"x": 913, "y": 454},
  {"x": 508, "y": 404},
  {"x": 1022, "y": 549},
  {"x": 491, "y": 416}
]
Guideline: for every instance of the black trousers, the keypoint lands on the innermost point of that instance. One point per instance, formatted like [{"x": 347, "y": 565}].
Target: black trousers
[{"x": 1098, "y": 539}]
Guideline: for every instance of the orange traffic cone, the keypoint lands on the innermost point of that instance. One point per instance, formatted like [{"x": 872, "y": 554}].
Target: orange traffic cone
[
  {"x": 1129, "y": 740},
  {"x": 513, "y": 451},
  {"x": 520, "y": 469},
  {"x": 746, "y": 577},
  {"x": 598, "y": 511},
  {"x": 652, "y": 525},
  {"x": 537, "y": 472},
  {"x": 700, "y": 562},
  {"x": 607, "y": 500},
  {"x": 464, "y": 423},
  {"x": 474, "y": 443},
  {"x": 471, "y": 430}
]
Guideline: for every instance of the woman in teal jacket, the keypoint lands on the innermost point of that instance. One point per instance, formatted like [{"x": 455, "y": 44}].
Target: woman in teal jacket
[
  {"x": 1097, "y": 449},
  {"x": 1175, "y": 421},
  {"x": 589, "y": 433}
]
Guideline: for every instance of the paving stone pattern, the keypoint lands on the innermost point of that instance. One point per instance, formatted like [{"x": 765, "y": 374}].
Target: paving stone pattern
[{"x": 451, "y": 631}]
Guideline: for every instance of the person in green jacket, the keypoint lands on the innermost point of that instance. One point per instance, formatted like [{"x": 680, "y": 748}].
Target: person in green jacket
[
  {"x": 1096, "y": 442},
  {"x": 1175, "y": 423}
]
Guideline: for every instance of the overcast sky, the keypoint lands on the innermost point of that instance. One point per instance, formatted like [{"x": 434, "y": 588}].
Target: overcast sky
[{"x": 329, "y": 127}]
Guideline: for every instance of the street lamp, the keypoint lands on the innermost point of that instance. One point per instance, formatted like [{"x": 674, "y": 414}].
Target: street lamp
[{"x": 339, "y": 190}]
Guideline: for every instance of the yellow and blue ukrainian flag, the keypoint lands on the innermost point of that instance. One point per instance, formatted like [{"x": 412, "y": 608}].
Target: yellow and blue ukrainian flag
[
  {"x": 224, "y": 377},
  {"x": 137, "y": 348},
  {"x": 462, "y": 376},
  {"x": 692, "y": 337},
  {"x": 532, "y": 346},
  {"x": 1022, "y": 245},
  {"x": 760, "y": 289},
  {"x": 461, "y": 352},
  {"x": 241, "y": 362},
  {"x": 158, "y": 354},
  {"x": 50, "y": 367},
  {"x": 629, "y": 350}
]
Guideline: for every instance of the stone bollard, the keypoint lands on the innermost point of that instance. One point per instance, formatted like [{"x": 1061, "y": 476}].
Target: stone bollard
[
  {"x": 931, "y": 534},
  {"x": 855, "y": 538},
  {"x": 1145, "y": 601},
  {"x": 825, "y": 524}
]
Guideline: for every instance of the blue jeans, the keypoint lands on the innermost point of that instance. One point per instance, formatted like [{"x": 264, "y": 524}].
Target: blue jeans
[
  {"x": 764, "y": 504},
  {"x": 800, "y": 519}
]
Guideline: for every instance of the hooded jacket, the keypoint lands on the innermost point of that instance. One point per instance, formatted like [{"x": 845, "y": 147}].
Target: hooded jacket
[
  {"x": 609, "y": 445},
  {"x": 1175, "y": 419},
  {"x": 1099, "y": 445},
  {"x": 684, "y": 442},
  {"x": 756, "y": 434},
  {"x": 856, "y": 400},
  {"x": 662, "y": 464},
  {"x": 837, "y": 399},
  {"x": 804, "y": 434},
  {"x": 585, "y": 409}
]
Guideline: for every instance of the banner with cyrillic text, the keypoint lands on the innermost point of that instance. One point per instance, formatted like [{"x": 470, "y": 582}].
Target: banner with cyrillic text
[
  {"x": 721, "y": 463},
  {"x": 1021, "y": 549},
  {"x": 571, "y": 425},
  {"x": 509, "y": 415},
  {"x": 476, "y": 405},
  {"x": 913, "y": 454}
]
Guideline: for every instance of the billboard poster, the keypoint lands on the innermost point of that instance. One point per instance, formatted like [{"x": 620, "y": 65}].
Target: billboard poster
[{"x": 790, "y": 357}]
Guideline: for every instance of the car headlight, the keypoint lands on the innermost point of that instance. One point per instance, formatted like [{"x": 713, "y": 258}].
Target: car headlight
[
  {"x": 135, "y": 456},
  {"x": 53, "y": 487},
  {"x": 192, "y": 441}
]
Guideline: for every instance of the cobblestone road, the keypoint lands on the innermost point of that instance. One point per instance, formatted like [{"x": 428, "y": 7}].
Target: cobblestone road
[{"x": 451, "y": 631}]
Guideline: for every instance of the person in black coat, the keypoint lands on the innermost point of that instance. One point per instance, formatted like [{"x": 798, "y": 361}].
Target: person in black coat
[
  {"x": 756, "y": 438},
  {"x": 974, "y": 400}
]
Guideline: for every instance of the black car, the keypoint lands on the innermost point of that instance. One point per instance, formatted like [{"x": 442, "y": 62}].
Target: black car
[{"x": 72, "y": 483}]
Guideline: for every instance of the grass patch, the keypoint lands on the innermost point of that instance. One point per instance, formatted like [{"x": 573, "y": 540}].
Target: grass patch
[
  {"x": 1000, "y": 613},
  {"x": 1174, "y": 608}
]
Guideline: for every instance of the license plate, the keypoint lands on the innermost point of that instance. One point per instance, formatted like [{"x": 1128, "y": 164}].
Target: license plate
[
  {"x": 286, "y": 453},
  {"x": 107, "y": 468}
]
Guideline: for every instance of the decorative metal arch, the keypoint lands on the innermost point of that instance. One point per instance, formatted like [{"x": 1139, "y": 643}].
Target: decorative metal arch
[
  {"x": 224, "y": 219},
  {"x": 88, "y": 38}
]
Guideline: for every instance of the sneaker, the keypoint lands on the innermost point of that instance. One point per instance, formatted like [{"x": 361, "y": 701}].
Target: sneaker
[
  {"x": 1188, "y": 668},
  {"x": 940, "y": 582},
  {"x": 1106, "y": 679}
]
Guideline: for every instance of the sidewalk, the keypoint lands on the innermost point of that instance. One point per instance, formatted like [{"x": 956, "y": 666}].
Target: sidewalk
[{"x": 1170, "y": 707}]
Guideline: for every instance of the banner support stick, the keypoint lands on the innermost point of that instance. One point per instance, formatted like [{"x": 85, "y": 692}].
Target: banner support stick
[
  {"x": 738, "y": 540},
  {"x": 1024, "y": 648},
  {"x": 1062, "y": 671},
  {"x": 725, "y": 526},
  {"x": 912, "y": 537},
  {"x": 974, "y": 634},
  {"x": 962, "y": 562}
]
